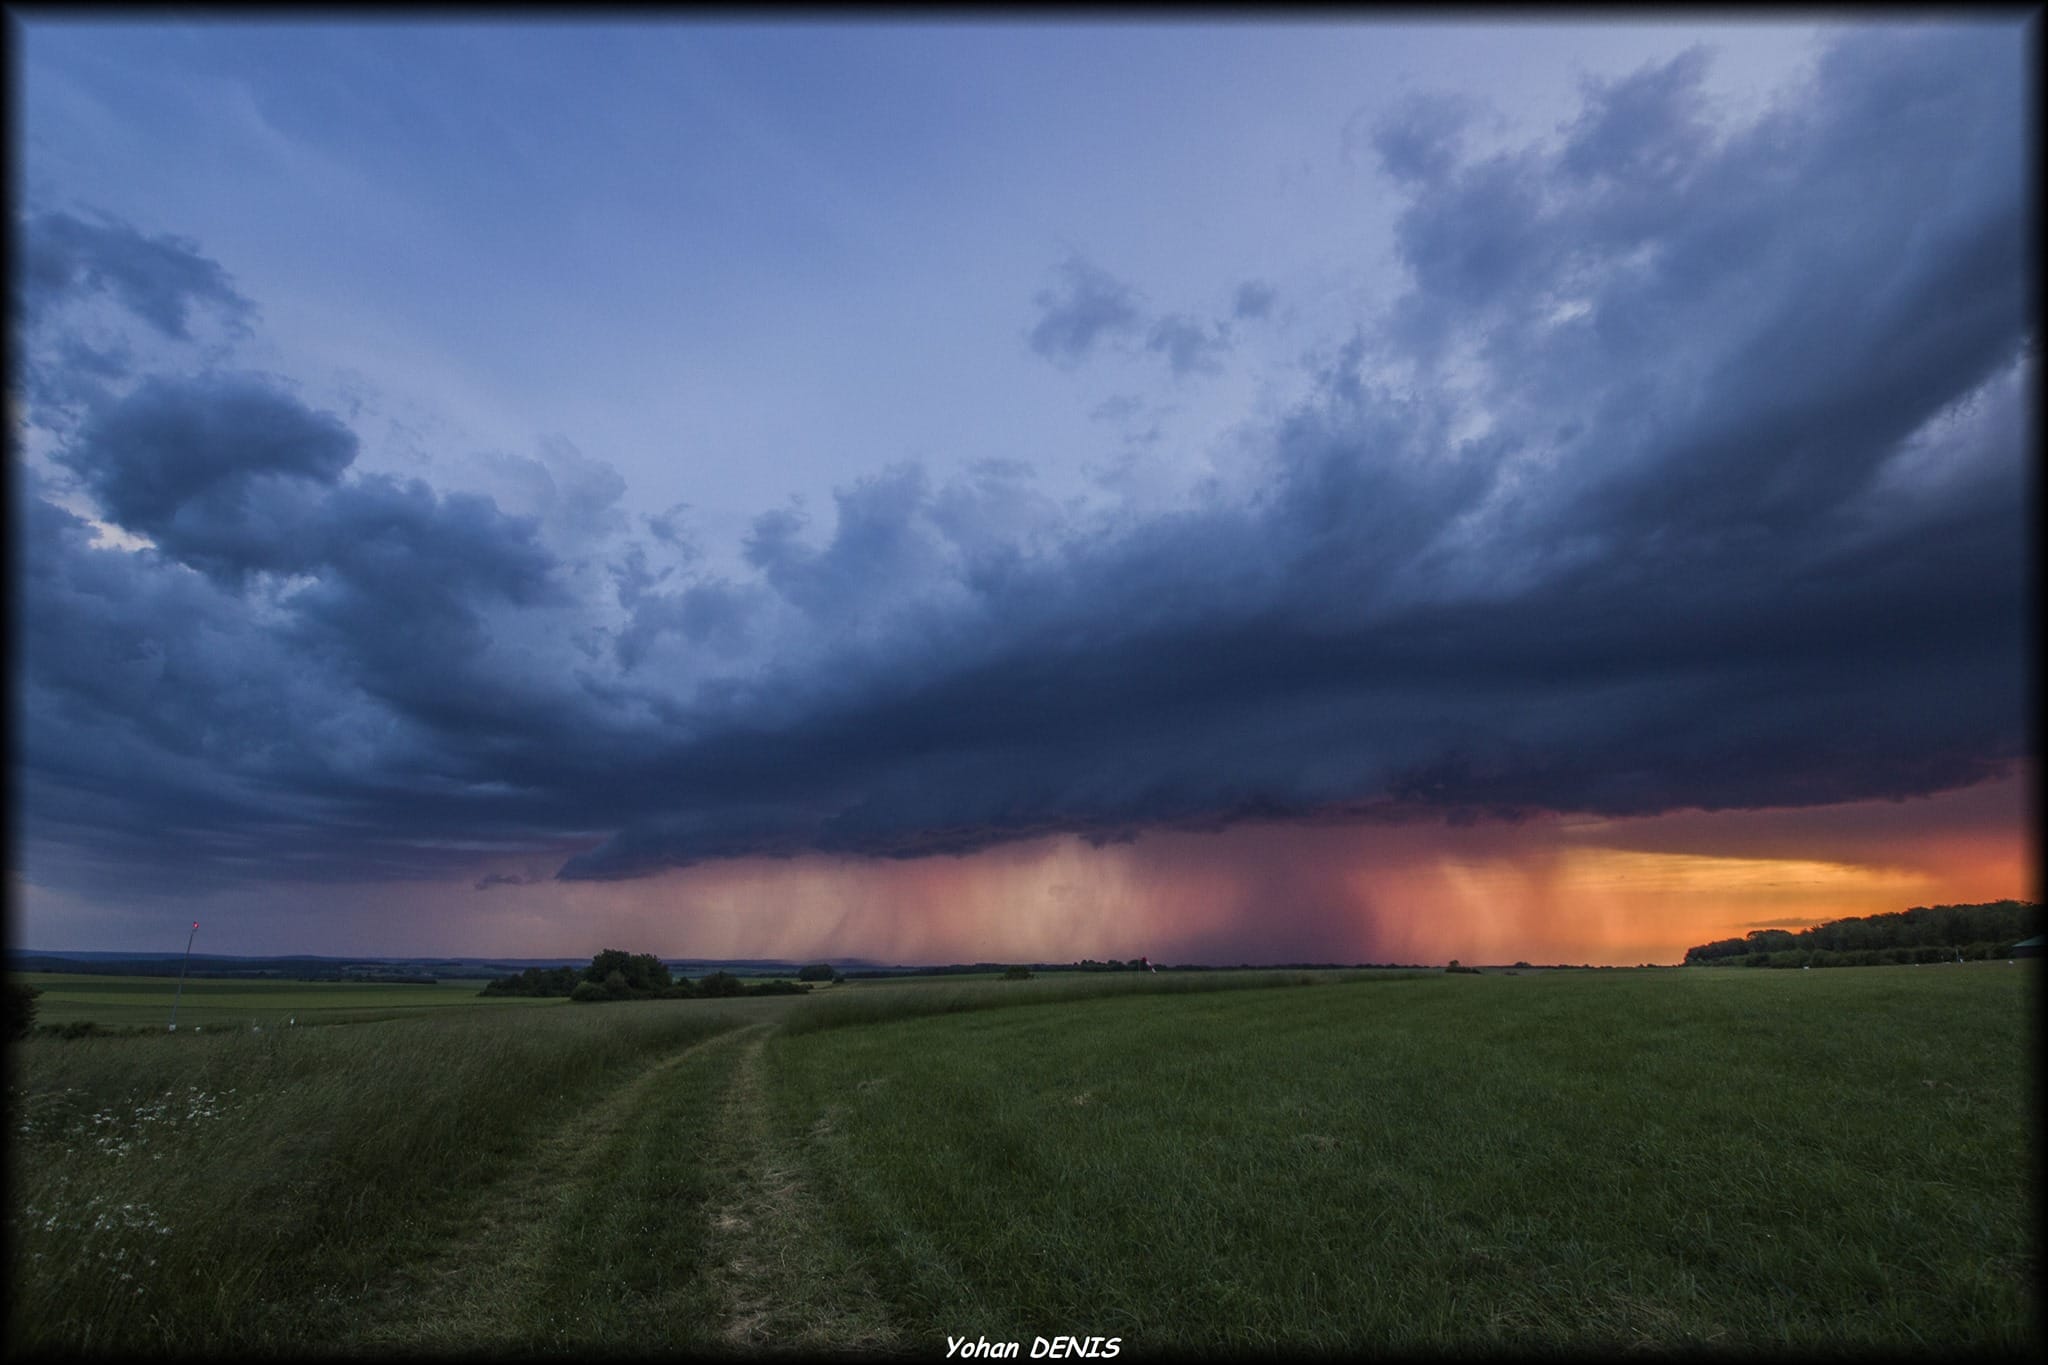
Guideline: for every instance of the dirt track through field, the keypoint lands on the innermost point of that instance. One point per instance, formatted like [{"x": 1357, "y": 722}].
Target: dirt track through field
[
  {"x": 778, "y": 1281},
  {"x": 762, "y": 1274},
  {"x": 475, "y": 1287}
]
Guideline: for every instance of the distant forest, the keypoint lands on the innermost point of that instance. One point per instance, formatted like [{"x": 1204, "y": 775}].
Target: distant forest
[{"x": 1926, "y": 933}]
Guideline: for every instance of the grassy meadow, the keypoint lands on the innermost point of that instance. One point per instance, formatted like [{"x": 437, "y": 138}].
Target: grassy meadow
[
  {"x": 864, "y": 1002},
  {"x": 1698, "y": 1159},
  {"x": 122, "y": 1002},
  {"x": 1621, "y": 1159}
]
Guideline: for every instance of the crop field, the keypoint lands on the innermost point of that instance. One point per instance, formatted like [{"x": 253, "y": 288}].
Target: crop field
[
  {"x": 121, "y": 1002},
  {"x": 1680, "y": 1160}
]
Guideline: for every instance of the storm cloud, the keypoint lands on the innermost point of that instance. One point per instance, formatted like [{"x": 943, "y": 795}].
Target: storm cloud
[
  {"x": 162, "y": 280},
  {"x": 1088, "y": 305},
  {"x": 1687, "y": 470}
]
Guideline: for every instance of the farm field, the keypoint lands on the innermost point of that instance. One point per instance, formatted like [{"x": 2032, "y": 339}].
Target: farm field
[
  {"x": 1614, "y": 1160},
  {"x": 1665, "y": 1159},
  {"x": 119, "y": 1002}
]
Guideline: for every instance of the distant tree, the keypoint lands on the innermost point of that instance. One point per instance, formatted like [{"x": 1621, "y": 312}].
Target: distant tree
[
  {"x": 587, "y": 992},
  {"x": 615, "y": 985},
  {"x": 534, "y": 981},
  {"x": 21, "y": 1009},
  {"x": 1013, "y": 974},
  {"x": 818, "y": 971},
  {"x": 1924, "y": 933},
  {"x": 643, "y": 973},
  {"x": 721, "y": 984}
]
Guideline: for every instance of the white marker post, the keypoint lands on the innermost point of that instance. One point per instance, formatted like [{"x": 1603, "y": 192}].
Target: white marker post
[{"x": 181, "y": 975}]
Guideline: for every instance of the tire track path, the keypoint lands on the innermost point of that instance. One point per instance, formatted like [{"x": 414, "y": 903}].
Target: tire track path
[
  {"x": 669, "y": 1215},
  {"x": 777, "y": 1278},
  {"x": 482, "y": 1285}
]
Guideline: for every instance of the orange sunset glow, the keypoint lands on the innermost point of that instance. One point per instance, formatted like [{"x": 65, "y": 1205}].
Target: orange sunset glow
[
  {"x": 1549, "y": 890},
  {"x": 1556, "y": 889}
]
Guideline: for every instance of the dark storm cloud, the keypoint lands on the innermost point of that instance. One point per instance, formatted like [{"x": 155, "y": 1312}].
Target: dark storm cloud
[
  {"x": 1421, "y": 138},
  {"x": 1645, "y": 130},
  {"x": 1089, "y": 304},
  {"x": 710, "y": 617},
  {"x": 1253, "y": 301},
  {"x": 669, "y": 530},
  {"x": 160, "y": 280},
  {"x": 66, "y": 357},
  {"x": 1189, "y": 346},
  {"x": 316, "y": 674},
  {"x": 1689, "y": 471},
  {"x": 491, "y": 879},
  {"x": 233, "y": 477},
  {"x": 219, "y": 471},
  {"x": 1668, "y": 575},
  {"x": 1093, "y": 307},
  {"x": 156, "y": 711}
]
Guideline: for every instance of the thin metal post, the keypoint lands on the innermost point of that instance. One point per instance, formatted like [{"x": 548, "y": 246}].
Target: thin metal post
[{"x": 181, "y": 975}]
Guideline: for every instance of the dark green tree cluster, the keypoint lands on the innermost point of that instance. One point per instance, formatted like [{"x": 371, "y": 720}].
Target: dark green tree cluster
[
  {"x": 536, "y": 981},
  {"x": 818, "y": 971},
  {"x": 724, "y": 985},
  {"x": 617, "y": 975},
  {"x": 1089, "y": 964},
  {"x": 612, "y": 975},
  {"x": 952, "y": 969},
  {"x": 629, "y": 974},
  {"x": 1938, "y": 933}
]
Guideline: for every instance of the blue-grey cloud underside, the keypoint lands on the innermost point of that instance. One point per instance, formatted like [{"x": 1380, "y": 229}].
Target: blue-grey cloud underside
[{"x": 1743, "y": 526}]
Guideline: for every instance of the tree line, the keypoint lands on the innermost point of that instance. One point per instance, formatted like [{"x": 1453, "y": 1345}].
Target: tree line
[
  {"x": 618, "y": 975},
  {"x": 1925, "y": 933}
]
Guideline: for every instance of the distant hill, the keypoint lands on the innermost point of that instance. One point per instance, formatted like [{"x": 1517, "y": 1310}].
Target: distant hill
[
  {"x": 1936, "y": 933},
  {"x": 214, "y": 966},
  {"x": 310, "y": 967}
]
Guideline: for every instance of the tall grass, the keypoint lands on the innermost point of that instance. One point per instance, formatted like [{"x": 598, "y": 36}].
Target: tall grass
[
  {"x": 236, "y": 1189},
  {"x": 846, "y": 1007}
]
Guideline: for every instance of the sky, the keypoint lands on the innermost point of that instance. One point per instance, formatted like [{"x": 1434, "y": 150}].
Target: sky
[{"x": 927, "y": 490}]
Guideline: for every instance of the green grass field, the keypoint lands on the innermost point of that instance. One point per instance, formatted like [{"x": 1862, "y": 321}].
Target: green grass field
[
  {"x": 1660, "y": 1159},
  {"x": 1718, "y": 1160},
  {"x": 119, "y": 1002}
]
